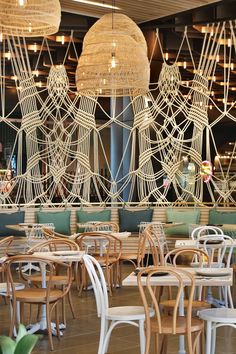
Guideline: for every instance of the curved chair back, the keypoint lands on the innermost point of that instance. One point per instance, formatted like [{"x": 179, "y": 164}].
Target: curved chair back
[
  {"x": 97, "y": 278},
  {"x": 156, "y": 241},
  {"x": 198, "y": 256},
  {"x": 54, "y": 245},
  {"x": 100, "y": 243},
  {"x": 147, "y": 288},
  {"x": 204, "y": 231},
  {"x": 106, "y": 226},
  {"x": 46, "y": 265},
  {"x": 5, "y": 243},
  {"x": 219, "y": 248}
]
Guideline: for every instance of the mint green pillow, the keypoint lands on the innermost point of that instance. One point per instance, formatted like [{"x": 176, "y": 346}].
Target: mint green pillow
[
  {"x": 85, "y": 216},
  {"x": 130, "y": 220},
  {"x": 60, "y": 219},
  {"x": 223, "y": 217},
  {"x": 186, "y": 217}
]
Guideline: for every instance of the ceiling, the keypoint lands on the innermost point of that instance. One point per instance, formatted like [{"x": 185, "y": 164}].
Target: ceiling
[{"x": 139, "y": 10}]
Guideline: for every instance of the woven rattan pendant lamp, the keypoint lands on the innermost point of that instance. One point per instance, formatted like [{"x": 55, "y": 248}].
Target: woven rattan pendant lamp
[
  {"x": 29, "y": 18},
  {"x": 114, "y": 59}
]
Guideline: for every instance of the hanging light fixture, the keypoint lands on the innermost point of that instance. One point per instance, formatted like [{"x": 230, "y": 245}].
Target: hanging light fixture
[
  {"x": 114, "y": 59},
  {"x": 29, "y": 18}
]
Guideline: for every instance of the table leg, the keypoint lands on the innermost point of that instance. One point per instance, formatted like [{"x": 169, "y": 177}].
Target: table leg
[
  {"x": 181, "y": 313},
  {"x": 208, "y": 337}
]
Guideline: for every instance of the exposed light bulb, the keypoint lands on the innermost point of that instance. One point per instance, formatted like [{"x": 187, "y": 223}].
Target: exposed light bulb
[
  {"x": 210, "y": 106},
  {"x": 21, "y": 3},
  {"x": 30, "y": 27},
  {"x": 62, "y": 40},
  {"x": 185, "y": 64},
  {"x": 229, "y": 42},
  {"x": 35, "y": 47},
  {"x": 113, "y": 61},
  {"x": 232, "y": 66},
  {"x": 8, "y": 55},
  {"x": 167, "y": 56}
]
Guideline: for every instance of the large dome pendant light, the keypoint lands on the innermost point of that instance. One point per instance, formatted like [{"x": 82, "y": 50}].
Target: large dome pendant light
[
  {"x": 29, "y": 18},
  {"x": 114, "y": 59}
]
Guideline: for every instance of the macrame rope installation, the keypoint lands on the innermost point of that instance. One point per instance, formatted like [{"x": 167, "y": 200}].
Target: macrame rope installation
[{"x": 169, "y": 136}]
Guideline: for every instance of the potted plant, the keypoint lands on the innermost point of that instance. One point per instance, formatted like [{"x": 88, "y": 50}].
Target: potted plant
[{"x": 23, "y": 344}]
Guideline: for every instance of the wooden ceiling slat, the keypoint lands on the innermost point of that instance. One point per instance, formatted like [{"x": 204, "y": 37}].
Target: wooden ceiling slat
[{"x": 138, "y": 10}]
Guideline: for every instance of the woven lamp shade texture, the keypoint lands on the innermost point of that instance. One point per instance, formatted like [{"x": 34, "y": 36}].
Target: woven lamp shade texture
[
  {"x": 37, "y": 18},
  {"x": 119, "y": 39}
]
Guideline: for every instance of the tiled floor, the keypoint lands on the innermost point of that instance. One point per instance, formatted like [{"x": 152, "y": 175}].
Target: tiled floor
[{"x": 82, "y": 334}]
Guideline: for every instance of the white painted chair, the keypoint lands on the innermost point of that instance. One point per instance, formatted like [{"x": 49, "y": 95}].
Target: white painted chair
[
  {"x": 112, "y": 316},
  {"x": 216, "y": 318},
  {"x": 205, "y": 230},
  {"x": 219, "y": 249}
]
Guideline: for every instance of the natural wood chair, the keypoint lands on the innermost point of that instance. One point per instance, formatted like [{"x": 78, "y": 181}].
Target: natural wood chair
[
  {"x": 51, "y": 234},
  {"x": 188, "y": 256},
  {"x": 106, "y": 249},
  {"x": 58, "y": 278},
  {"x": 166, "y": 324},
  {"x": 5, "y": 243},
  {"x": 106, "y": 226},
  {"x": 136, "y": 258},
  {"x": 48, "y": 296}
]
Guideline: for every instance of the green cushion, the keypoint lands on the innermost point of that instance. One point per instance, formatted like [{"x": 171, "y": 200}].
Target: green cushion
[
  {"x": 11, "y": 219},
  {"x": 129, "y": 220},
  {"x": 186, "y": 217},
  {"x": 60, "y": 219},
  {"x": 85, "y": 216},
  {"x": 223, "y": 217}
]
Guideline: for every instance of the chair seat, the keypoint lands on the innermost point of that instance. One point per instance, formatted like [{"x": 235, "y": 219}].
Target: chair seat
[
  {"x": 35, "y": 295},
  {"x": 57, "y": 279},
  {"x": 104, "y": 261},
  {"x": 128, "y": 256},
  {"x": 222, "y": 315},
  {"x": 181, "y": 325},
  {"x": 195, "y": 304},
  {"x": 131, "y": 313}
]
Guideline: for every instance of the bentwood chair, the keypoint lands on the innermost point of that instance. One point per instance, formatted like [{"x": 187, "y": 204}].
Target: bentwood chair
[
  {"x": 48, "y": 296},
  {"x": 205, "y": 230},
  {"x": 106, "y": 226},
  {"x": 169, "y": 324},
  {"x": 216, "y": 318},
  {"x": 5, "y": 243},
  {"x": 58, "y": 279},
  {"x": 219, "y": 249},
  {"x": 112, "y": 316},
  {"x": 106, "y": 249},
  {"x": 188, "y": 257}
]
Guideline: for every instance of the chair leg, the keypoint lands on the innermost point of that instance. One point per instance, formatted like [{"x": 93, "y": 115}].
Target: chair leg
[
  {"x": 57, "y": 322},
  {"x": 71, "y": 304},
  {"x": 63, "y": 305},
  {"x": 208, "y": 337},
  {"x": 13, "y": 318},
  {"x": 48, "y": 315},
  {"x": 142, "y": 336}
]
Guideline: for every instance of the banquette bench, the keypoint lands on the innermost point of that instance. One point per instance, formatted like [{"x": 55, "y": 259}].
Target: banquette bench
[{"x": 66, "y": 219}]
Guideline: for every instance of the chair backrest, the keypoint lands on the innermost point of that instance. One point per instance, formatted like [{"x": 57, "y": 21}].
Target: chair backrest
[
  {"x": 191, "y": 255},
  {"x": 218, "y": 247},
  {"x": 49, "y": 233},
  {"x": 106, "y": 226},
  {"x": 205, "y": 230},
  {"x": 97, "y": 242},
  {"x": 54, "y": 245},
  {"x": 98, "y": 281},
  {"x": 5, "y": 243},
  {"x": 156, "y": 240},
  {"x": 147, "y": 288},
  {"x": 45, "y": 265},
  {"x": 36, "y": 231}
]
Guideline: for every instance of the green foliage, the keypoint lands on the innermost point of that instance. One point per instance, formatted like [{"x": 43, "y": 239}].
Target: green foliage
[{"x": 24, "y": 342}]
